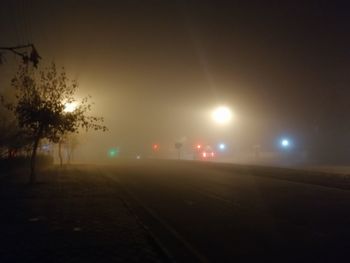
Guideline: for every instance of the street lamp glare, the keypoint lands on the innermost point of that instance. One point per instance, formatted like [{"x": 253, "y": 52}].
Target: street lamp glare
[
  {"x": 222, "y": 115},
  {"x": 222, "y": 146},
  {"x": 285, "y": 143},
  {"x": 70, "y": 106}
]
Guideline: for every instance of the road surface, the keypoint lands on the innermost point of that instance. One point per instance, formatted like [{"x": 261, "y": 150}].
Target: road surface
[
  {"x": 175, "y": 211},
  {"x": 218, "y": 213}
]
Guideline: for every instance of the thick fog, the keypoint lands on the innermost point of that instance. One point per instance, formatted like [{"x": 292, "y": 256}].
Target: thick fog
[{"x": 157, "y": 69}]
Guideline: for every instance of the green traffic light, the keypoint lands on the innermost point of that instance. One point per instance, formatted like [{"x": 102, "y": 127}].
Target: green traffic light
[{"x": 113, "y": 152}]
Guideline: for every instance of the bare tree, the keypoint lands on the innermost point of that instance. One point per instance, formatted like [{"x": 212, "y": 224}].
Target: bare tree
[{"x": 39, "y": 107}]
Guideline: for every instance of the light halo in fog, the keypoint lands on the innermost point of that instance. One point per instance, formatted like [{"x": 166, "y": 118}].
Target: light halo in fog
[
  {"x": 70, "y": 106},
  {"x": 222, "y": 115}
]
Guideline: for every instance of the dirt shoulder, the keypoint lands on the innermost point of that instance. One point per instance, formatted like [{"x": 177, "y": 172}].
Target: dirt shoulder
[{"x": 71, "y": 215}]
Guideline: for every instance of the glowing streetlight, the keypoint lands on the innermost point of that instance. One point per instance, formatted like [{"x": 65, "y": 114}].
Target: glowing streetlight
[
  {"x": 222, "y": 115},
  {"x": 70, "y": 106},
  {"x": 285, "y": 143},
  {"x": 222, "y": 146}
]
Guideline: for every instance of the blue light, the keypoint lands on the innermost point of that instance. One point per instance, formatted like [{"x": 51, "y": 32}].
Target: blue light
[
  {"x": 285, "y": 143},
  {"x": 222, "y": 146}
]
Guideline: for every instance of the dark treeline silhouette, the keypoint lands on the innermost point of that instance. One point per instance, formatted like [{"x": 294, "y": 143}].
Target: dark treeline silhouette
[{"x": 38, "y": 109}]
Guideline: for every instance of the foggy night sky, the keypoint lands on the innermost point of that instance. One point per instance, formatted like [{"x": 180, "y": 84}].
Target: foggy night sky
[{"x": 155, "y": 68}]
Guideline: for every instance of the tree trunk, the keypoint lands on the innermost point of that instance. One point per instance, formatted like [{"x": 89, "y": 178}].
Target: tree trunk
[
  {"x": 33, "y": 157},
  {"x": 9, "y": 153},
  {"x": 69, "y": 153},
  {"x": 69, "y": 156},
  {"x": 60, "y": 152}
]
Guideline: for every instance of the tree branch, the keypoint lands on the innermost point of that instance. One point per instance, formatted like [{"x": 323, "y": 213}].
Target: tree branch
[{"x": 33, "y": 56}]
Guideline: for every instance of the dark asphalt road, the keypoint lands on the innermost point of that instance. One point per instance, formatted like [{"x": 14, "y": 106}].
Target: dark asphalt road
[{"x": 220, "y": 214}]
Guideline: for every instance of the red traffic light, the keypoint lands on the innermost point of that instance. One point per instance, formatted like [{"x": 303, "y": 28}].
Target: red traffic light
[{"x": 155, "y": 147}]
